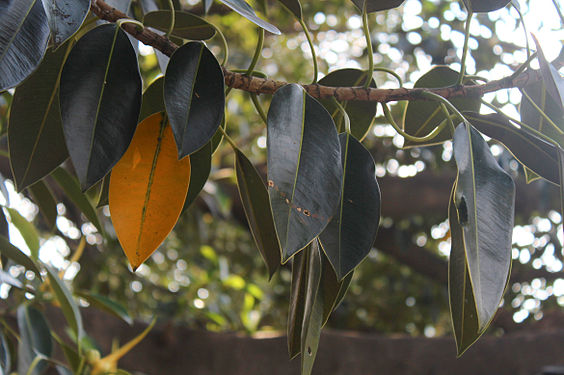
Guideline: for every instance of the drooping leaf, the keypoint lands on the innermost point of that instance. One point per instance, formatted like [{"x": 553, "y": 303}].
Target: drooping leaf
[
  {"x": 194, "y": 96},
  {"x": 293, "y": 6},
  {"x": 485, "y": 200},
  {"x": 297, "y": 302},
  {"x": 72, "y": 189},
  {"x": 23, "y": 40},
  {"x": 35, "y": 133},
  {"x": 43, "y": 198},
  {"x": 16, "y": 255},
  {"x": 153, "y": 99},
  {"x": 478, "y": 6},
  {"x": 65, "y": 17},
  {"x": 536, "y": 154},
  {"x": 304, "y": 167},
  {"x": 244, "y": 9},
  {"x": 360, "y": 113},
  {"x": 421, "y": 117},
  {"x": 186, "y": 25},
  {"x": 108, "y": 305},
  {"x": 148, "y": 188},
  {"x": 100, "y": 98},
  {"x": 377, "y": 5},
  {"x": 254, "y": 196},
  {"x": 333, "y": 290},
  {"x": 5, "y": 356},
  {"x": 552, "y": 79},
  {"x": 27, "y": 230},
  {"x": 349, "y": 236},
  {"x": 35, "y": 339},
  {"x": 200, "y": 167}
]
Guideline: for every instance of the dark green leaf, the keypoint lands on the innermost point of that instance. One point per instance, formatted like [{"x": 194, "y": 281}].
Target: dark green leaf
[
  {"x": 108, "y": 305},
  {"x": 103, "y": 197},
  {"x": 186, "y": 25},
  {"x": 72, "y": 190},
  {"x": 35, "y": 339},
  {"x": 65, "y": 18},
  {"x": 244, "y": 9},
  {"x": 23, "y": 40},
  {"x": 377, "y": 5},
  {"x": 200, "y": 166},
  {"x": 100, "y": 98},
  {"x": 421, "y": 117},
  {"x": 5, "y": 356},
  {"x": 27, "y": 230},
  {"x": 43, "y": 197},
  {"x": 333, "y": 290},
  {"x": 16, "y": 255},
  {"x": 349, "y": 236},
  {"x": 217, "y": 137},
  {"x": 304, "y": 167},
  {"x": 254, "y": 197},
  {"x": 153, "y": 99},
  {"x": 360, "y": 113},
  {"x": 297, "y": 302},
  {"x": 553, "y": 81},
  {"x": 293, "y": 6},
  {"x": 35, "y": 134},
  {"x": 485, "y": 200},
  {"x": 477, "y": 6},
  {"x": 193, "y": 96}
]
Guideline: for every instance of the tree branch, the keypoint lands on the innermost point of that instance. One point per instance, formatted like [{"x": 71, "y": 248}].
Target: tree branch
[{"x": 268, "y": 86}]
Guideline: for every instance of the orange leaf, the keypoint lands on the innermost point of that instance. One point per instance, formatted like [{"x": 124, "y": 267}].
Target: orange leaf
[{"x": 148, "y": 187}]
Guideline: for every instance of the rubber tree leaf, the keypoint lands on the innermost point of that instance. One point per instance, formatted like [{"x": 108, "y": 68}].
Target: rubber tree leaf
[
  {"x": 5, "y": 356},
  {"x": 186, "y": 25},
  {"x": 539, "y": 156},
  {"x": 23, "y": 40},
  {"x": 297, "y": 302},
  {"x": 27, "y": 230},
  {"x": 16, "y": 255},
  {"x": 293, "y": 6},
  {"x": 478, "y": 6},
  {"x": 35, "y": 133},
  {"x": 552, "y": 79},
  {"x": 194, "y": 96},
  {"x": 244, "y": 9},
  {"x": 107, "y": 304},
  {"x": 103, "y": 199},
  {"x": 333, "y": 290},
  {"x": 485, "y": 200},
  {"x": 349, "y": 236},
  {"x": 67, "y": 303},
  {"x": 70, "y": 186},
  {"x": 153, "y": 99},
  {"x": 360, "y": 113},
  {"x": 35, "y": 339},
  {"x": 421, "y": 117},
  {"x": 44, "y": 199},
  {"x": 100, "y": 99},
  {"x": 65, "y": 18},
  {"x": 254, "y": 197},
  {"x": 148, "y": 187},
  {"x": 377, "y": 5},
  {"x": 200, "y": 167}
]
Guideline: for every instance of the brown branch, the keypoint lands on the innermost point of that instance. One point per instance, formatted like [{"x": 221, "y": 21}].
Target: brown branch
[{"x": 268, "y": 86}]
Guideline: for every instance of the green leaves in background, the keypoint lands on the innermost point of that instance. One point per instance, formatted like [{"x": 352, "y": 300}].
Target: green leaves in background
[
  {"x": 65, "y": 17},
  {"x": 100, "y": 98},
  {"x": 485, "y": 202},
  {"x": 23, "y": 40},
  {"x": 304, "y": 167},
  {"x": 421, "y": 117},
  {"x": 200, "y": 167},
  {"x": 35, "y": 340},
  {"x": 44, "y": 199},
  {"x": 349, "y": 236},
  {"x": 360, "y": 113},
  {"x": 194, "y": 96},
  {"x": 377, "y": 5},
  {"x": 293, "y": 6},
  {"x": 106, "y": 304},
  {"x": 153, "y": 99},
  {"x": 35, "y": 133},
  {"x": 244, "y": 9},
  {"x": 485, "y": 5},
  {"x": 27, "y": 230},
  {"x": 17, "y": 256},
  {"x": 254, "y": 197},
  {"x": 186, "y": 25}
]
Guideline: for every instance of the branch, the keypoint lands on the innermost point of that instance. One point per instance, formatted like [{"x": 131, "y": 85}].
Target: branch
[{"x": 268, "y": 86}]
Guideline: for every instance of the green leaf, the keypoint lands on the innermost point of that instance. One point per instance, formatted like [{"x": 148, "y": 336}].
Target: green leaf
[
  {"x": 5, "y": 356},
  {"x": 65, "y": 18},
  {"x": 35, "y": 339},
  {"x": 153, "y": 99},
  {"x": 421, "y": 117},
  {"x": 200, "y": 167},
  {"x": 23, "y": 40},
  {"x": 73, "y": 359},
  {"x": 485, "y": 200},
  {"x": 16, "y": 255},
  {"x": 35, "y": 133},
  {"x": 186, "y": 25},
  {"x": 103, "y": 198},
  {"x": 100, "y": 98},
  {"x": 294, "y": 7},
  {"x": 244, "y": 9},
  {"x": 106, "y": 304},
  {"x": 333, "y": 290},
  {"x": 360, "y": 113},
  {"x": 68, "y": 304},
  {"x": 532, "y": 117},
  {"x": 537, "y": 155},
  {"x": 377, "y": 5},
  {"x": 72, "y": 190},
  {"x": 552, "y": 79},
  {"x": 43, "y": 197},
  {"x": 349, "y": 236},
  {"x": 27, "y": 230},
  {"x": 304, "y": 167},
  {"x": 297, "y": 302},
  {"x": 478, "y": 6},
  {"x": 218, "y": 137},
  {"x": 194, "y": 96},
  {"x": 254, "y": 197}
]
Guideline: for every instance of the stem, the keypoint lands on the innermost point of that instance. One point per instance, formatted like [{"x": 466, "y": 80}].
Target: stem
[
  {"x": 432, "y": 95},
  {"x": 409, "y": 137},
  {"x": 523, "y": 66},
  {"x": 312, "y": 48},
  {"x": 34, "y": 364},
  {"x": 541, "y": 112},
  {"x": 256, "y": 103},
  {"x": 224, "y": 43},
  {"x": 172, "y": 18},
  {"x": 524, "y": 29},
  {"x": 448, "y": 117},
  {"x": 255, "y": 58},
  {"x": 226, "y": 136},
  {"x": 345, "y": 115},
  {"x": 465, "y": 49},
  {"x": 558, "y": 11},
  {"x": 391, "y": 72},
  {"x": 366, "y": 30}
]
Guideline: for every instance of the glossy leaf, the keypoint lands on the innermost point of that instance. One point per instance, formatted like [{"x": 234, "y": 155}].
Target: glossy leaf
[
  {"x": 35, "y": 338},
  {"x": 23, "y": 40},
  {"x": 553, "y": 81},
  {"x": 27, "y": 230},
  {"x": 254, "y": 197},
  {"x": 153, "y": 99},
  {"x": 193, "y": 96},
  {"x": 349, "y": 236},
  {"x": 244, "y": 9},
  {"x": 534, "y": 153},
  {"x": 360, "y": 113},
  {"x": 377, "y": 5},
  {"x": 100, "y": 98},
  {"x": 304, "y": 167},
  {"x": 65, "y": 17},
  {"x": 186, "y": 25},
  {"x": 293, "y": 6},
  {"x": 5, "y": 356},
  {"x": 108, "y": 305},
  {"x": 35, "y": 133},
  {"x": 297, "y": 302},
  {"x": 333, "y": 290},
  {"x": 421, "y": 117},
  {"x": 16, "y": 255},
  {"x": 485, "y": 200},
  {"x": 200, "y": 167},
  {"x": 478, "y": 6},
  {"x": 43, "y": 198},
  {"x": 70, "y": 186},
  {"x": 147, "y": 189}
]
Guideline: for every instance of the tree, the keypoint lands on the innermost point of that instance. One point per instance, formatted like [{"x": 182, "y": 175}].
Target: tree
[{"x": 78, "y": 94}]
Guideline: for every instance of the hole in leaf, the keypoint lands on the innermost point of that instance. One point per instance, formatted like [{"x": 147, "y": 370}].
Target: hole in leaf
[
  {"x": 309, "y": 352},
  {"x": 307, "y": 213}
]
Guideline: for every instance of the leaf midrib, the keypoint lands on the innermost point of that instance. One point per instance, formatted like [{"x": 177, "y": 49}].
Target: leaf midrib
[{"x": 17, "y": 31}]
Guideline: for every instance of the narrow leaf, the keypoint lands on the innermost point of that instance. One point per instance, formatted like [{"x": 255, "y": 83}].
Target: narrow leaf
[
  {"x": 35, "y": 339},
  {"x": 200, "y": 167},
  {"x": 16, "y": 255},
  {"x": 27, "y": 230},
  {"x": 43, "y": 198},
  {"x": 333, "y": 290},
  {"x": 106, "y": 304},
  {"x": 65, "y": 18},
  {"x": 297, "y": 302},
  {"x": 186, "y": 25},
  {"x": 244, "y": 9},
  {"x": 377, "y": 5}
]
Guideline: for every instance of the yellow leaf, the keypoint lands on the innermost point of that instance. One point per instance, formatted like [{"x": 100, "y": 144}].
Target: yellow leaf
[{"x": 148, "y": 187}]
